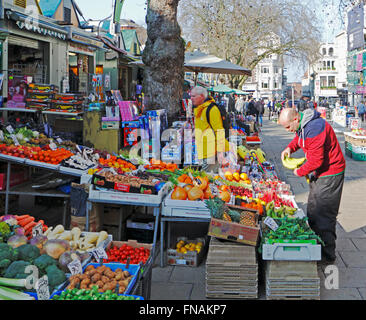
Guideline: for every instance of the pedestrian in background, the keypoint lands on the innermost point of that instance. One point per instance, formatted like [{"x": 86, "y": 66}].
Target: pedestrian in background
[{"x": 361, "y": 109}]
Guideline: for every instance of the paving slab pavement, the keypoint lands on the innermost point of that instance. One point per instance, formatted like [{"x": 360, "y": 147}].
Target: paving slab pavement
[{"x": 185, "y": 283}]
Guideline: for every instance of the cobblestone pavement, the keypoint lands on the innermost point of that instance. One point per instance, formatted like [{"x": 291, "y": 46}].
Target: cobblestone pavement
[{"x": 185, "y": 283}]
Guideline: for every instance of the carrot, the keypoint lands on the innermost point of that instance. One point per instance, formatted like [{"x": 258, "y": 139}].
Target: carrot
[
  {"x": 20, "y": 218},
  {"x": 25, "y": 221},
  {"x": 30, "y": 225}
]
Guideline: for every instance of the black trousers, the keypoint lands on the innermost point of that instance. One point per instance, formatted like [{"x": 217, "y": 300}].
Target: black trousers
[{"x": 322, "y": 210}]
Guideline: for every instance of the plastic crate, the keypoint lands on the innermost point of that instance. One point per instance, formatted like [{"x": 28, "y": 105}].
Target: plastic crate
[
  {"x": 291, "y": 252},
  {"x": 57, "y": 293}
]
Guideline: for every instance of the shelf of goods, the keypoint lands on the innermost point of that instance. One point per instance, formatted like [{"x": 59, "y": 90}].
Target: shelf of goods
[{"x": 231, "y": 271}]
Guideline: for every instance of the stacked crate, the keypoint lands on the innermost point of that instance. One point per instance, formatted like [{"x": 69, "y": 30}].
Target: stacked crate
[
  {"x": 292, "y": 280},
  {"x": 231, "y": 271}
]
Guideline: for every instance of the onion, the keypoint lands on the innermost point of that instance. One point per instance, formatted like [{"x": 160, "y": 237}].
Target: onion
[
  {"x": 56, "y": 247},
  {"x": 17, "y": 240}
]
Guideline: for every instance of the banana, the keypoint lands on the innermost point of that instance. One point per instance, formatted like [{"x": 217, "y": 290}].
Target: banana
[
  {"x": 261, "y": 155},
  {"x": 293, "y": 163},
  {"x": 242, "y": 152}
]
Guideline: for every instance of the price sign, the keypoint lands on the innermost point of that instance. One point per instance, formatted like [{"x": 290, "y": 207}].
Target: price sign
[
  {"x": 355, "y": 123},
  {"x": 37, "y": 230},
  {"x": 59, "y": 140},
  {"x": 10, "y": 129},
  {"x": 75, "y": 267},
  {"x": 1, "y": 135},
  {"x": 99, "y": 253},
  {"x": 16, "y": 142},
  {"x": 43, "y": 292},
  {"x": 53, "y": 146},
  {"x": 271, "y": 223}
]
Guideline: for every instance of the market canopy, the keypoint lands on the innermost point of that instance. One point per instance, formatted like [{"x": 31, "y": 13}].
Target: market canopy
[
  {"x": 240, "y": 92},
  {"x": 221, "y": 88},
  {"x": 200, "y": 62}
]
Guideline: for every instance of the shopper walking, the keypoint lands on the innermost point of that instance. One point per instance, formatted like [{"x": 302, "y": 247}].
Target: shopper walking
[
  {"x": 325, "y": 167},
  {"x": 361, "y": 109}
]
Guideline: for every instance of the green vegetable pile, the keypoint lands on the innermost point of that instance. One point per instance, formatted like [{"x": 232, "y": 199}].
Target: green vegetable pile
[
  {"x": 290, "y": 229},
  {"x": 4, "y": 231},
  {"x": 93, "y": 294}
]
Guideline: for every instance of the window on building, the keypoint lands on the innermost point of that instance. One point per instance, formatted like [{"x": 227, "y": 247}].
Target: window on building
[
  {"x": 331, "y": 81},
  {"x": 324, "y": 65},
  {"x": 264, "y": 70},
  {"x": 276, "y": 70},
  {"x": 323, "y": 82},
  {"x": 264, "y": 85},
  {"x": 331, "y": 51},
  {"x": 333, "y": 64},
  {"x": 275, "y": 85},
  {"x": 328, "y": 64},
  {"x": 324, "y": 51}
]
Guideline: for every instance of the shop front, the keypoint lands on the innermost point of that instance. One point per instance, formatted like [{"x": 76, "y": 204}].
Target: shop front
[
  {"x": 27, "y": 56},
  {"x": 82, "y": 50}
]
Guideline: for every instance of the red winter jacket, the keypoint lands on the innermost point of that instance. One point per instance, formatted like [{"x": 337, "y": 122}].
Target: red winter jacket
[{"x": 317, "y": 139}]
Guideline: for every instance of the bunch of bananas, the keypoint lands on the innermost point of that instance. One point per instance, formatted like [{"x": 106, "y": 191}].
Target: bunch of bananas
[
  {"x": 293, "y": 163},
  {"x": 278, "y": 213},
  {"x": 242, "y": 152}
]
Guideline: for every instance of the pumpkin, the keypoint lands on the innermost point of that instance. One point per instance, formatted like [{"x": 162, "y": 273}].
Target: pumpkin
[
  {"x": 225, "y": 196},
  {"x": 195, "y": 193},
  {"x": 201, "y": 183},
  {"x": 179, "y": 194},
  {"x": 187, "y": 187}
]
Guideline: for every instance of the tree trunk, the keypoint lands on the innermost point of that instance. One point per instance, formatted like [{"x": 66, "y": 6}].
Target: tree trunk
[{"x": 163, "y": 58}]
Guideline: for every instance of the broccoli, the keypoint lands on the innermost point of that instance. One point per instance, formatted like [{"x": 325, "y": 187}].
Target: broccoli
[
  {"x": 44, "y": 261},
  {"x": 28, "y": 252},
  {"x": 16, "y": 270},
  {"x": 55, "y": 276},
  {"x": 7, "y": 255}
]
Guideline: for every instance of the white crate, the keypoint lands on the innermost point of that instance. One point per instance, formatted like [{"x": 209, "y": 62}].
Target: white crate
[
  {"x": 112, "y": 195},
  {"x": 188, "y": 212},
  {"x": 291, "y": 252}
]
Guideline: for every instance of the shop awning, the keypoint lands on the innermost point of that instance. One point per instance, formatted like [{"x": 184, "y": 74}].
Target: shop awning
[{"x": 221, "y": 88}]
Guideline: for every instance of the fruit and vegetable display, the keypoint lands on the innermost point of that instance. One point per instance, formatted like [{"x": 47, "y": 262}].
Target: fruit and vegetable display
[
  {"x": 93, "y": 294},
  {"x": 118, "y": 164},
  {"x": 102, "y": 277},
  {"x": 279, "y": 212},
  {"x": 121, "y": 254},
  {"x": 290, "y": 229},
  {"x": 75, "y": 238}
]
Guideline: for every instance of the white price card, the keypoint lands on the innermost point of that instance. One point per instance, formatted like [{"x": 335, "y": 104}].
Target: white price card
[
  {"x": 10, "y": 129},
  {"x": 43, "y": 291},
  {"x": 53, "y": 146},
  {"x": 16, "y": 142},
  {"x": 59, "y": 140},
  {"x": 75, "y": 267},
  {"x": 1, "y": 135},
  {"x": 271, "y": 223},
  {"x": 99, "y": 253},
  {"x": 37, "y": 230}
]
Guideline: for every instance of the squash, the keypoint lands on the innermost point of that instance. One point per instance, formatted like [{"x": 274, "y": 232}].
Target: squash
[
  {"x": 201, "y": 183},
  {"x": 187, "y": 187},
  {"x": 225, "y": 196},
  {"x": 179, "y": 194},
  {"x": 195, "y": 193},
  {"x": 207, "y": 194}
]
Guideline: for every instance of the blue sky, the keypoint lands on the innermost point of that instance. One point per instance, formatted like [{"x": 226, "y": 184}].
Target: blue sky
[{"x": 132, "y": 9}]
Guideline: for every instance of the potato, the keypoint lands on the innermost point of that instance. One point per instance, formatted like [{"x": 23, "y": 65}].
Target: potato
[
  {"x": 96, "y": 277},
  {"x": 88, "y": 268}
]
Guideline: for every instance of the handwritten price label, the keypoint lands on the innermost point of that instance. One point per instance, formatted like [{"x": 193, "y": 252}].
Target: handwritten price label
[
  {"x": 37, "y": 230},
  {"x": 10, "y": 129},
  {"x": 271, "y": 223},
  {"x": 43, "y": 292},
  {"x": 75, "y": 267},
  {"x": 99, "y": 253},
  {"x": 16, "y": 142}
]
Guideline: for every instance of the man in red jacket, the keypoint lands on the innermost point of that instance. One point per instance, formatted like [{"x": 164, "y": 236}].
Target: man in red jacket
[{"x": 325, "y": 167}]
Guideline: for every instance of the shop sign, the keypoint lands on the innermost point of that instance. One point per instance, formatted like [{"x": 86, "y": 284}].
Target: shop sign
[
  {"x": 355, "y": 123},
  {"x": 81, "y": 48},
  {"x": 361, "y": 90},
  {"x": 40, "y": 30}
]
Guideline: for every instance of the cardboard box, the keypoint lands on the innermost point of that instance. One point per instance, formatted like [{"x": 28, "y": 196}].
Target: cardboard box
[
  {"x": 233, "y": 231},
  {"x": 189, "y": 259}
]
